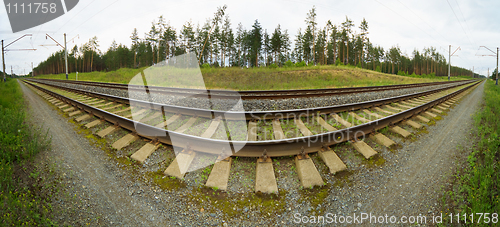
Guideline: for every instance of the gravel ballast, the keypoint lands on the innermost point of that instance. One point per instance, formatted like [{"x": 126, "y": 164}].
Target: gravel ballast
[{"x": 253, "y": 104}]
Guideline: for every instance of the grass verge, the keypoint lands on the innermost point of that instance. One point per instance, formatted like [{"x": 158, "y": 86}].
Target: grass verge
[
  {"x": 235, "y": 78},
  {"x": 475, "y": 190},
  {"x": 20, "y": 203}
]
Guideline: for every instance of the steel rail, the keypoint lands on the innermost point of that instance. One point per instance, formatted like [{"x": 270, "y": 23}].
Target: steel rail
[
  {"x": 274, "y": 148},
  {"x": 253, "y": 115},
  {"x": 255, "y": 94}
]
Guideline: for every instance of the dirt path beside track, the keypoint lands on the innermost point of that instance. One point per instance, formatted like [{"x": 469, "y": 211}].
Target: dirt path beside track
[
  {"x": 100, "y": 193},
  {"x": 411, "y": 183}
]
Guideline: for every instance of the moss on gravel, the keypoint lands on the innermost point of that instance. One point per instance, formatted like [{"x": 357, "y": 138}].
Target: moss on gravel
[
  {"x": 233, "y": 206},
  {"x": 316, "y": 196},
  {"x": 374, "y": 161},
  {"x": 165, "y": 182}
]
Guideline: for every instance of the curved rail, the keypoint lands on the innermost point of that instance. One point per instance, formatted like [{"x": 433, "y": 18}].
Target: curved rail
[
  {"x": 261, "y": 115},
  {"x": 255, "y": 94},
  {"x": 274, "y": 148}
]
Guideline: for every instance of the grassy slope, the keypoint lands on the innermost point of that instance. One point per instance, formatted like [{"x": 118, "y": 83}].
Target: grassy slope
[
  {"x": 482, "y": 180},
  {"x": 19, "y": 143},
  {"x": 271, "y": 79},
  {"x": 476, "y": 189}
]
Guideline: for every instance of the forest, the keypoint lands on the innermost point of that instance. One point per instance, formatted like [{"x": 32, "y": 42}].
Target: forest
[{"x": 217, "y": 45}]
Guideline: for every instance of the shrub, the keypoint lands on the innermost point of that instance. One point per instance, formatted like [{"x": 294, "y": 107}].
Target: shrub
[
  {"x": 338, "y": 62},
  {"x": 300, "y": 64},
  {"x": 289, "y": 64}
]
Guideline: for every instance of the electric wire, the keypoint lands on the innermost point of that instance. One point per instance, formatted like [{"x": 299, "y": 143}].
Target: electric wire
[
  {"x": 409, "y": 21},
  {"x": 459, "y": 22},
  {"x": 465, "y": 21},
  {"x": 76, "y": 15},
  {"x": 94, "y": 15},
  {"x": 423, "y": 21}
]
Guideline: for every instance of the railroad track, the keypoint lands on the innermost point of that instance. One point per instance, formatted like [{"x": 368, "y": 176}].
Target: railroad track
[
  {"x": 262, "y": 135},
  {"x": 247, "y": 95}
]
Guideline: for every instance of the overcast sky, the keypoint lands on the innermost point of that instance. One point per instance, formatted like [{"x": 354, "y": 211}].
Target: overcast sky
[{"x": 410, "y": 24}]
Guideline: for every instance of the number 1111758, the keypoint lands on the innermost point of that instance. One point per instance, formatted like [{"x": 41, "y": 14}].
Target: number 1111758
[{"x": 32, "y": 8}]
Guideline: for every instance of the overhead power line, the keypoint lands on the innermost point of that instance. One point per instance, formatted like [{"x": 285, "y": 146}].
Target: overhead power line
[
  {"x": 408, "y": 21},
  {"x": 459, "y": 22},
  {"x": 423, "y": 21},
  {"x": 465, "y": 21},
  {"x": 76, "y": 15},
  {"x": 94, "y": 15}
]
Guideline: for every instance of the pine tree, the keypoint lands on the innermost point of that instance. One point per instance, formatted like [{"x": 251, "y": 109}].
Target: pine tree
[
  {"x": 135, "y": 43},
  {"x": 255, "y": 38},
  {"x": 267, "y": 49},
  {"x": 187, "y": 37},
  {"x": 169, "y": 37},
  {"x": 152, "y": 38},
  {"x": 363, "y": 35},
  {"x": 226, "y": 42},
  {"x": 307, "y": 41},
  {"x": 332, "y": 55},
  {"x": 202, "y": 36},
  {"x": 346, "y": 31},
  {"x": 93, "y": 44},
  {"x": 217, "y": 18},
  {"x": 241, "y": 37},
  {"x": 285, "y": 47},
  {"x": 311, "y": 28},
  {"x": 161, "y": 28},
  {"x": 299, "y": 46},
  {"x": 276, "y": 43}
]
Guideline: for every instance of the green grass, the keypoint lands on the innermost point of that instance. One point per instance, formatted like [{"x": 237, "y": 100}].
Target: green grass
[
  {"x": 234, "y": 78},
  {"x": 484, "y": 174},
  {"x": 477, "y": 188},
  {"x": 19, "y": 143}
]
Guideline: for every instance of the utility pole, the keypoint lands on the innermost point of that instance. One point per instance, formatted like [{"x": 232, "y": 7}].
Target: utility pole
[
  {"x": 64, "y": 47},
  {"x": 449, "y": 60},
  {"x": 5, "y": 50},
  {"x": 496, "y": 80},
  {"x": 3, "y": 62},
  {"x": 32, "y": 72},
  {"x": 65, "y": 56}
]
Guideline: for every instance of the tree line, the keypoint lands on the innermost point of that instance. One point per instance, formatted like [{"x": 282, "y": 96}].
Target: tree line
[{"x": 217, "y": 45}]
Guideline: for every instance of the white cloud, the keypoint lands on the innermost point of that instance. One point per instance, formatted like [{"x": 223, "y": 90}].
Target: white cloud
[{"x": 408, "y": 23}]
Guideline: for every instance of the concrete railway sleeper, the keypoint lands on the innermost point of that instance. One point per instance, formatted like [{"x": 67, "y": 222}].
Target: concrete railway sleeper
[{"x": 408, "y": 113}]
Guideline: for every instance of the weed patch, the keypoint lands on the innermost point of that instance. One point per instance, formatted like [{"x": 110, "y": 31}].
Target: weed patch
[
  {"x": 476, "y": 188},
  {"x": 19, "y": 144}
]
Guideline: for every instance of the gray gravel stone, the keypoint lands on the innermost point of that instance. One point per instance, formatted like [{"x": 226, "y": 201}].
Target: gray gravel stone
[{"x": 252, "y": 104}]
